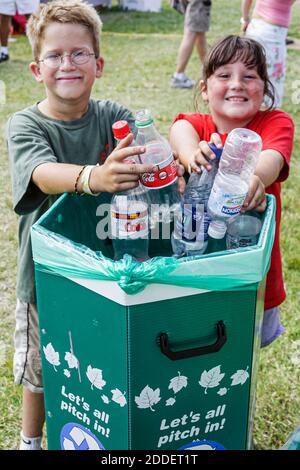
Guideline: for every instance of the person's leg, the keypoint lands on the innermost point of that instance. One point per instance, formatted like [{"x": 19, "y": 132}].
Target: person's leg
[
  {"x": 4, "y": 33},
  {"x": 271, "y": 326},
  {"x": 185, "y": 50},
  {"x": 33, "y": 413},
  {"x": 201, "y": 45},
  {"x": 27, "y": 371}
]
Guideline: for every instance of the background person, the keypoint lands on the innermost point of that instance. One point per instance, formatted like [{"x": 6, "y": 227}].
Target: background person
[
  {"x": 196, "y": 24},
  {"x": 9, "y": 8},
  {"x": 269, "y": 26}
]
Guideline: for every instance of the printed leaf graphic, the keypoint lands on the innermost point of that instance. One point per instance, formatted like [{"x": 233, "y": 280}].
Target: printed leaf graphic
[
  {"x": 177, "y": 383},
  {"x": 147, "y": 398},
  {"x": 105, "y": 399},
  {"x": 71, "y": 360},
  {"x": 119, "y": 397},
  {"x": 95, "y": 377},
  {"x": 51, "y": 355},
  {"x": 67, "y": 373},
  {"x": 239, "y": 377},
  {"x": 222, "y": 391},
  {"x": 211, "y": 378},
  {"x": 170, "y": 401}
]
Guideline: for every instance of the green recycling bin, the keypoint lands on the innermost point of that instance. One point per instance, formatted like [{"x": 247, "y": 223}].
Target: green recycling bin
[{"x": 155, "y": 356}]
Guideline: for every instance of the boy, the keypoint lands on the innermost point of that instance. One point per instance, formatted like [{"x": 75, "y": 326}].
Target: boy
[{"x": 56, "y": 146}]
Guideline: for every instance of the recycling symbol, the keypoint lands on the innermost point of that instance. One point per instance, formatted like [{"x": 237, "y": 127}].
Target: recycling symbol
[{"x": 73, "y": 436}]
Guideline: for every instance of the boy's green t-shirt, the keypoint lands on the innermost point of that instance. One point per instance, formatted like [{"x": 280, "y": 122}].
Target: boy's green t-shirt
[{"x": 33, "y": 139}]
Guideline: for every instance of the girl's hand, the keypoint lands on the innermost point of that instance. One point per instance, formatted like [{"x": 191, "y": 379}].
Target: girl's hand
[
  {"x": 204, "y": 154},
  {"x": 116, "y": 174},
  {"x": 256, "y": 197}
]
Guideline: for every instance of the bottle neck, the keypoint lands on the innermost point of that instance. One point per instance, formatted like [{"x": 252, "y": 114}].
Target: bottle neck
[{"x": 217, "y": 229}]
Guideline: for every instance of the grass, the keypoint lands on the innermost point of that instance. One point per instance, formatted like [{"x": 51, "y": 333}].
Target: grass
[{"x": 140, "y": 52}]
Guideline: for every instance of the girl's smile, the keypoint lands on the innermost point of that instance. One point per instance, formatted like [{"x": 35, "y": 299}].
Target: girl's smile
[{"x": 234, "y": 93}]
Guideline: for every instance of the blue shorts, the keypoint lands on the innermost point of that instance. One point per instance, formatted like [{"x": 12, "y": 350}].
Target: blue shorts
[{"x": 271, "y": 327}]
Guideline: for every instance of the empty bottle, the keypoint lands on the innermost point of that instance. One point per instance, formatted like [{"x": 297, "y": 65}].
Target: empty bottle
[
  {"x": 243, "y": 231},
  {"x": 129, "y": 213},
  {"x": 239, "y": 159},
  {"x": 190, "y": 229},
  {"x": 162, "y": 183}
]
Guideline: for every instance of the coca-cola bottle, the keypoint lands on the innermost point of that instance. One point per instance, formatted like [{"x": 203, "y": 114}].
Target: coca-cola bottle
[
  {"x": 164, "y": 195},
  {"x": 129, "y": 213}
]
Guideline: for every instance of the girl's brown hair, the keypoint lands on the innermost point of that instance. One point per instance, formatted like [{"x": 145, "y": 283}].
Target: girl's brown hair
[{"x": 233, "y": 48}]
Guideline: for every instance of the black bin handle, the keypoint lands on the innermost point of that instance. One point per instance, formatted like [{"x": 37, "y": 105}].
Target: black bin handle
[{"x": 175, "y": 355}]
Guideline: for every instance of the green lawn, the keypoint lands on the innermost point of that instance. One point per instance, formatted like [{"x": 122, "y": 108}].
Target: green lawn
[{"x": 140, "y": 53}]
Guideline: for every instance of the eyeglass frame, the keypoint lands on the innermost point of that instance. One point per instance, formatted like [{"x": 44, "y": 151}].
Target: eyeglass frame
[{"x": 62, "y": 56}]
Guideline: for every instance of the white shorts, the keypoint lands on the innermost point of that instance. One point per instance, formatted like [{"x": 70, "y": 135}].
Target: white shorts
[
  {"x": 272, "y": 38},
  {"x": 23, "y": 7}
]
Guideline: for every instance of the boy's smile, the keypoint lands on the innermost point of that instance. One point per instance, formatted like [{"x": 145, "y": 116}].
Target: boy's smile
[
  {"x": 67, "y": 82},
  {"x": 235, "y": 94}
]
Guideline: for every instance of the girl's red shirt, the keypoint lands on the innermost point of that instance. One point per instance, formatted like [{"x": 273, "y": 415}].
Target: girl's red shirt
[{"x": 276, "y": 129}]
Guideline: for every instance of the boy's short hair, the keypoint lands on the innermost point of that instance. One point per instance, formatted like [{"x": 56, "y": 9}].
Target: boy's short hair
[{"x": 63, "y": 11}]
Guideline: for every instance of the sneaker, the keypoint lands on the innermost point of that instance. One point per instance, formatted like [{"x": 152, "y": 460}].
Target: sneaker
[
  {"x": 182, "y": 82},
  {"x": 3, "y": 57}
]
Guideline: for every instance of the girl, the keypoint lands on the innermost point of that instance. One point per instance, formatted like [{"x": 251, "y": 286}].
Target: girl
[{"x": 234, "y": 84}]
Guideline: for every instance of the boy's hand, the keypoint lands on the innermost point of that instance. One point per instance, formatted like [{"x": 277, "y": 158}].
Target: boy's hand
[
  {"x": 180, "y": 173},
  {"x": 204, "y": 154},
  {"x": 117, "y": 175},
  {"x": 256, "y": 197}
]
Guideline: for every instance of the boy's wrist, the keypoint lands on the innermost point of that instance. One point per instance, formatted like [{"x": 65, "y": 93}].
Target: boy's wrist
[
  {"x": 95, "y": 180},
  {"x": 87, "y": 186},
  {"x": 83, "y": 183}
]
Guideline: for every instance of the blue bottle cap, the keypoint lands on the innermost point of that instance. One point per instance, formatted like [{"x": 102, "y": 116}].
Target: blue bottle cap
[{"x": 216, "y": 150}]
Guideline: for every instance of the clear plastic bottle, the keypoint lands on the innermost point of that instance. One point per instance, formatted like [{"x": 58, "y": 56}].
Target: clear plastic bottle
[
  {"x": 190, "y": 229},
  {"x": 163, "y": 183},
  {"x": 243, "y": 231},
  {"x": 129, "y": 213},
  {"x": 239, "y": 159}
]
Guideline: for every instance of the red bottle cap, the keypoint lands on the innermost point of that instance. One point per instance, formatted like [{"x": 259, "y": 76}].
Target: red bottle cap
[{"x": 121, "y": 129}]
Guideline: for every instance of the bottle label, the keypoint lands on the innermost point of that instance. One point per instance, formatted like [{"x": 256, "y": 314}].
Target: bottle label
[
  {"x": 166, "y": 174},
  {"x": 225, "y": 204},
  {"x": 232, "y": 204},
  {"x": 129, "y": 224}
]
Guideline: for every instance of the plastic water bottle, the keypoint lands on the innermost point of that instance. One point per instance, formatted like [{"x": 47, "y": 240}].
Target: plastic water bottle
[
  {"x": 162, "y": 183},
  {"x": 129, "y": 213},
  {"x": 243, "y": 231},
  {"x": 239, "y": 159},
  {"x": 190, "y": 229}
]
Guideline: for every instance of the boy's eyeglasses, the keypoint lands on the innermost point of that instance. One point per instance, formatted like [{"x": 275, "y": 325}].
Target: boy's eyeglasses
[{"x": 77, "y": 58}]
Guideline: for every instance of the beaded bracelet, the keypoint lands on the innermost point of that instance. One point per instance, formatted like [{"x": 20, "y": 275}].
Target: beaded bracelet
[
  {"x": 85, "y": 179},
  {"x": 77, "y": 179}
]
